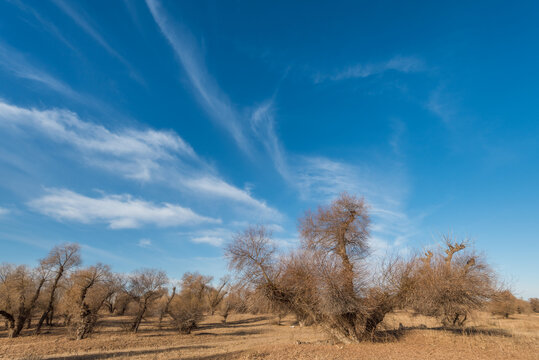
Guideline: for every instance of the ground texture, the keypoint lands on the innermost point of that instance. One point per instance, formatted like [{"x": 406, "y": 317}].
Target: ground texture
[{"x": 259, "y": 337}]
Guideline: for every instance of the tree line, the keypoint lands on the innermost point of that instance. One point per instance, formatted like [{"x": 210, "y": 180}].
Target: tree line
[
  {"x": 59, "y": 292},
  {"x": 332, "y": 280}
]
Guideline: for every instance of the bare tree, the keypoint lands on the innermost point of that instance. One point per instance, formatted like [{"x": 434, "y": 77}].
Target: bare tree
[
  {"x": 338, "y": 234},
  {"x": 215, "y": 295},
  {"x": 450, "y": 286},
  {"x": 187, "y": 307},
  {"x": 330, "y": 283},
  {"x": 146, "y": 286},
  {"x": 251, "y": 254},
  {"x": 340, "y": 229},
  {"x": 534, "y": 303},
  {"x": 61, "y": 259},
  {"x": 21, "y": 288},
  {"x": 504, "y": 303},
  {"x": 86, "y": 296},
  {"x": 165, "y": 308},
  {"x": 225, "y": 308}
]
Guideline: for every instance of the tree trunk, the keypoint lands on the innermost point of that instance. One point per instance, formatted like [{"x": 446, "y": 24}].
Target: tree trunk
[
  {"x": 84, "y": 322},
  {"x": 10, "y": 322},
  {"x": 19, "y": 325},
  {"x": 49, "y": 308},
  {"x": 50, "y": 319},
  {"x": 139, "y": 317},
  {"x": 165, "y": 310},
  {"x": 25, "y": 312}
]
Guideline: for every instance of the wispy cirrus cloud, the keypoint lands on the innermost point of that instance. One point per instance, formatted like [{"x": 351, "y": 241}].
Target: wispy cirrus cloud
[
  {"x": 18, "y": 65},
  {"x": 211, "y": 97},
  {"x": 133, "y": 152},
  {"x": 264, "y": 127},
  {"x": 4, "y": 211},
  {"x": 15, "y": 63},
  {"x": 404, "y": 64},
  {"x": 217, "y": 187},
  {"x": 82, "y": 21},
  {"x": 118, "y": 211},
  {"x": 45, "y": 24},
  {"x": 140, "y": 154},
  {"x": 442, "y": 105}
]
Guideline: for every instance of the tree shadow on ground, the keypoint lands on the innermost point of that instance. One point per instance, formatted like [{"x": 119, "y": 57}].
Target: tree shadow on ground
[
  {"x": 127, "y": 353},
  {"x": 225, "y": 356},
  {"x": 231, "y": 324},
  {"x": 395, "y": 335},
  {"x": 235, "y": 333}
]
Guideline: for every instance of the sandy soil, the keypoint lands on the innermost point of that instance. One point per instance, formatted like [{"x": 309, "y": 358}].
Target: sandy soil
[{"x": 259, "y": 337}]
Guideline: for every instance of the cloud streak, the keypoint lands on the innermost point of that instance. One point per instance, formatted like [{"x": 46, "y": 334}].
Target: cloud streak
[
  {"x": 46, "y": 24},
  {"x": 118, "y": 211},
  {"x": 80, "y": 19},
  {"x": 404, "y": 64},
  {"x": 15, "y": 63},
  {"x": 263, "y": 125},
  {"x": 213, "y": 100}
]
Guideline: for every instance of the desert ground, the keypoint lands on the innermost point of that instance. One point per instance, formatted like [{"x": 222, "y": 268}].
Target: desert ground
[{"x": 260, "y": 337}]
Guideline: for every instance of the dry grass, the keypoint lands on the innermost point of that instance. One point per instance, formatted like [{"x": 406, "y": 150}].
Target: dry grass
[{"x": 257, "y": 337}]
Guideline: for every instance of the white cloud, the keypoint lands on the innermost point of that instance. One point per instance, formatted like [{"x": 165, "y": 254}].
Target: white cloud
[
  {"x": 3, "y": 211},
  {"x": 286, "y": 243},
  {"x": 215, "y": 237},
  {"x": 263, "y": 125},
  {"x": 144, "y": 243},
  {"x": 404, "y": 64},
  {"x": 274, "y": 227},
  {"x": 211, "y": 240},
  {"x": 214, "y": 101},
  {"x": 134, "y": 153},
  {"x": 118, "y": 211},
  {"x": 141, "y": 154},
  {"x": 215, "y": 186}
]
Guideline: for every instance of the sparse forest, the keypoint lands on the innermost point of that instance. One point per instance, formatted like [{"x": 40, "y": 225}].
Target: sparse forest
[{"x": 332, "y": 283}]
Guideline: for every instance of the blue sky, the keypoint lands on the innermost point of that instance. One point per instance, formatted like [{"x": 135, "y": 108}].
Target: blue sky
[{"x": 150, "y": 131}]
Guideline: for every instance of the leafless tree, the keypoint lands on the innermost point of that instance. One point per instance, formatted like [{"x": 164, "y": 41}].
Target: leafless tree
[
  {"x": 225, "y": 308},
  {"x": 121, "y": 299},
  {"x": 449, "y": 285},
  {"x": 252, "y": 254},
  {"x": 146, "y": 286},
  {"x": 215, "y": 295},
  {"x": 187, "y": 307},
  {"x": 60, "y": 259},
  {"x": 88, "y": 291},
  {"x": 166, "y": 306},
  {"x": 534, "y": 303},
  {"x": 328, "y": 281},
  {"x": 503, "y": 303},
  {"x": 20, "y": 289},
  {"x": 340, "y": 229}
]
